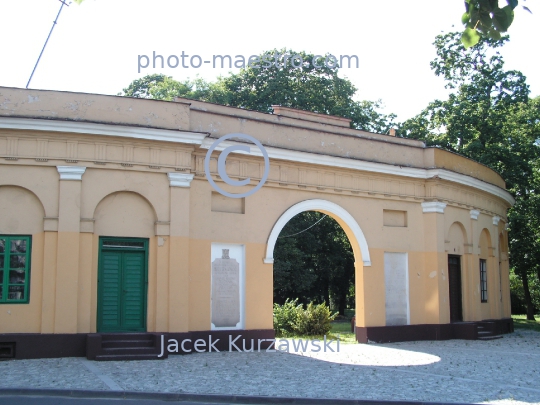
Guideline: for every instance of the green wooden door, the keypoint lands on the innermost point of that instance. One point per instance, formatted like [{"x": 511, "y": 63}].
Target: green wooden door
[{"x": 122, "y": 285}]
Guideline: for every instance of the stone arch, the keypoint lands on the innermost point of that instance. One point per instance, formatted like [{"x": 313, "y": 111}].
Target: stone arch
[
  {"x": 125, "y": 213},
  {"x": 457, "y": 238},
  {"x": 21, "y": 211},
  {"x": 484, "y": 243},
  {"x": 98, "y": 184},
  {"x": 342, "y": 217}
]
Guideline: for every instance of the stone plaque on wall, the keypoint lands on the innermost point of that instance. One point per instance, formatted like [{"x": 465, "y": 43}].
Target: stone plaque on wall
[
  {"x": 225, "y": 291},
  {"x": 396, "y": 288}
]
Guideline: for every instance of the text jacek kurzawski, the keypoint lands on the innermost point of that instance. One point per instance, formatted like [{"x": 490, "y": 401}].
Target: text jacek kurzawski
[{"x": 237, "y": 344}]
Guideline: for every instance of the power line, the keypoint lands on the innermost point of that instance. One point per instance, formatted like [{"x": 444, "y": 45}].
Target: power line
[
  {"x": 47, "y": 40},
  {"x": 294, "y": 234}
]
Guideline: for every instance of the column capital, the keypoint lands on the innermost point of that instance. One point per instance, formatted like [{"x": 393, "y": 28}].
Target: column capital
[
  {"x": 433, "y": 206},
  {"x": 474, "y": 214},
  {"x": 496, "y": 220},
  {"x": 71, "y": 172},
  {"x": 180, "y": 179}
]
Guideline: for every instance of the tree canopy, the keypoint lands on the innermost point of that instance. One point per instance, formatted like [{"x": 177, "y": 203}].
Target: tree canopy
[
  {"x": 486, "y": 19},
  {"x": 311, "y": 88}
]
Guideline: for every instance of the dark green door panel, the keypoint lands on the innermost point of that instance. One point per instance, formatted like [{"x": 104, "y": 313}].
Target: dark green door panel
[
  {"x": 122, "y": 285},
  {"x": 110, "y": 286},
  {"x": 133, "y": 290}
]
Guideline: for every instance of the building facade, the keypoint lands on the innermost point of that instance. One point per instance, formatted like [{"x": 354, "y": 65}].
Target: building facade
[{"x": 108, "y": 224}]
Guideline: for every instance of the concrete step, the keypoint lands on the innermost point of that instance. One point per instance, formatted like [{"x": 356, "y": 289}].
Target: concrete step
[
  {"x": 108, "y": 344},
  {"x": 491, "y": 337},
  {"x": 130, "y": 350},
  {"x": 122, "y": 357},
  {"x": 123, "y": 346},
  {"x": 126, "y": 336}
]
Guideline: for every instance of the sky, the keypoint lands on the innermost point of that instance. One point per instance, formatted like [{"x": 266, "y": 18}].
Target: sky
[{"x": 95, "y": 46}]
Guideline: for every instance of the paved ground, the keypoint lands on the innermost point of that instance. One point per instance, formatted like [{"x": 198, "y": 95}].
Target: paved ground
[{"x": 499, "y": 371}]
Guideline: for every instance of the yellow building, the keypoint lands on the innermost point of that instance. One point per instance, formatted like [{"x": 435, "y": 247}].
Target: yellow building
[{"x": 110, "y": 230}]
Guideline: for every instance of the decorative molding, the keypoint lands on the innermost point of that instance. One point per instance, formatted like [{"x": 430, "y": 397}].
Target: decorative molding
[
  {"x": 71, "y": 172},
  {"x": 123, "y": 131},
  {"x": 50, "y": 224},
  {"x": 433, "y": 206},
  {"x": 496, "y": 220},
  {"x": 87, "y": 225},
  {"x": 180, "y": 179},
  {"x": 474, "y": 214},
  {"x": 326, "y": 207},
  {"x": 197, "y": 138},
  {"x": 357, "y": 164},
  {"x": 162, "y": 228}
]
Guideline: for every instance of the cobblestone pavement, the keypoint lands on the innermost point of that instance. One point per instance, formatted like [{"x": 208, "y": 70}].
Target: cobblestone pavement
[{"x": 499, "y": 371}]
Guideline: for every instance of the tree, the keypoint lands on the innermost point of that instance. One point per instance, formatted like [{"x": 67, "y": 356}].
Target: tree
[
  {"x": 490, "y": 119},
  {"x": 161, "y": 87},
  {"x": 307, "y": 87},
  {"x": 486, "y": 19},
  {"x": 311, "y": 88}
]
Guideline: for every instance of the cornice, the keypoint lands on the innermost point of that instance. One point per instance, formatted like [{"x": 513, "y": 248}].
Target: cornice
[
  {"x": 124, "y": 131},
  {"x": 382, "y": 168}
]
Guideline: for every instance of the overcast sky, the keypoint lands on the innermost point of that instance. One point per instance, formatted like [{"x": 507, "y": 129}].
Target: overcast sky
[{"x": 95, "y": 46}]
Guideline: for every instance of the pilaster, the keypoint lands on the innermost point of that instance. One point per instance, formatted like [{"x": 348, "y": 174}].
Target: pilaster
[
  {"x": 180, "y": 184},
  {"x": 436, "y": 276},
  {"x": 67, "y": 263}
]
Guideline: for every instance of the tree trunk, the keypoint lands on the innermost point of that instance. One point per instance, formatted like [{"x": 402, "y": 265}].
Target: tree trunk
[
  {"x": 327, "y": 296},
  {"x": 528, "y": 300},
  {"x": 342, "y": 303}
]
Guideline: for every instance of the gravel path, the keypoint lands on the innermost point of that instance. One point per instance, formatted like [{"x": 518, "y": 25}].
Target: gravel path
[{"x": 499, "y": 371}]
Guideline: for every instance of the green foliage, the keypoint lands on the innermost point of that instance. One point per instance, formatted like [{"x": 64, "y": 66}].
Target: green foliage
[
  {"x": 517, "y": 294},
  {"x": 486, "y": 19},
  {"x": 315, "y": 89},
  {"x": 291, "y": 319},
  {"x": 315, "y": 320},
  {"x": 286, "y": 317},
  {"x": 309, "y": 88},
  {"x": 161, "y": 87},
  {"x": 487, "y": 117}
]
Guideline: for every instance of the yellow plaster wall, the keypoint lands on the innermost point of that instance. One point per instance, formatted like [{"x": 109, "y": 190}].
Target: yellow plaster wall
[{"x": 120, "y": 197}]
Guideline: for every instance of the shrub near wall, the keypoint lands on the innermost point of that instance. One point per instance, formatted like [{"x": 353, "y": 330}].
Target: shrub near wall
[{"x": 292, "y": 319}]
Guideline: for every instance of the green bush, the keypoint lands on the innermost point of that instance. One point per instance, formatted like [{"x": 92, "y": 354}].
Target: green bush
[
  {"x": 315, "y": 320},
  {"x": 292, "y": 319},
  {"x": 286, "y": 317}
]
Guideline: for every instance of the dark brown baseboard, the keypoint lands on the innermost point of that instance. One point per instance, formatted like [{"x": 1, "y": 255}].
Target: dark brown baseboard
[
  {"x": 38, "y": 346},
  {"x": 405, "y": 333},
  {"x": 41, "y": 346}
]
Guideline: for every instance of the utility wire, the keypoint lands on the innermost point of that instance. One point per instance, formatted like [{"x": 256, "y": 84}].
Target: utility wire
[
  {"x": 47, "y": 40},
  {"x": 294, "y": 234}
]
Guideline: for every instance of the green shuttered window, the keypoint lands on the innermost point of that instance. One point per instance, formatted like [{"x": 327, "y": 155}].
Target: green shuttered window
[{"x": 14, "y": 269}]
